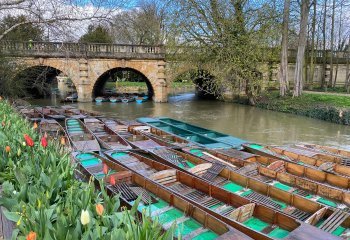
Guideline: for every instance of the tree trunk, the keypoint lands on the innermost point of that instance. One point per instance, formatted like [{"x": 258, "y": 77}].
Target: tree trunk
[
  {"x": 323, "y": 79},
  {"x": 339, "y": 45},
  {"x": 347, "y": 73},
  {"x": 298, "y": 76},
  {"x": 332, "y": 47},
  {"x": 312, "y": 57},
  {"x": 284, "y": 51}
]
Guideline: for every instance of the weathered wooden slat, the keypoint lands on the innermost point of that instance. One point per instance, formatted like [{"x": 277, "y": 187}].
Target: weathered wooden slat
[{"x": 195, "y": 233}]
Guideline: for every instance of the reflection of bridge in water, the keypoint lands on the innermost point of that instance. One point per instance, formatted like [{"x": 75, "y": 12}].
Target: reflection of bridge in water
[{"x": 89, "y": 65}]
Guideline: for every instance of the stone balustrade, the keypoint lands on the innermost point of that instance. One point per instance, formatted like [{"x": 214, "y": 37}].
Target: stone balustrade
[{"x": 81, "y": 50}]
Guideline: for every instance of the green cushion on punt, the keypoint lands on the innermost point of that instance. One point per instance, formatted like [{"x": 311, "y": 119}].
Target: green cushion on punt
[
  {"x": 278, "y": 233},
  {"x": 169, "y": 216},
  {"x": 187, "y": 227},
  {"x": 256, "y": 224},
  {"x": 209, "y": 235},
  {"x": 90, "y": 162},
  {"x": 83, "y": 156},
  {"x": 338, "y": 231},
  {"x": 282, "y": 186},
  {"x": 75, "y": 128},
  {"x": 118, "y": 154},
  {"x": 327, "y": 202},
  {"x": 232, "y": 187},
  {"x": 196, "y": 152},
  {"x": 73, "y": 123},
  {"x": 255, "y": 146}
]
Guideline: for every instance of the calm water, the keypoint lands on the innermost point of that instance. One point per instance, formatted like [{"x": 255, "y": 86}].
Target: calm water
[{"x": 245, "y": 122}]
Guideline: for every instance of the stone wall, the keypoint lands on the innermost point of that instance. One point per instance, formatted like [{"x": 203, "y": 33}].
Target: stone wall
[{"x": 84, "y": 73}]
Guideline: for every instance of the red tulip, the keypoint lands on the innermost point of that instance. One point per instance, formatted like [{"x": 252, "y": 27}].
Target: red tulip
[
  {"x": 29, "y": 141},
  {"x": 112, "y": 180},
  {"x": 31, "y": 236},
  {"x": 7, "y": 149},
  {"x": 105, "y": 169},
  {"x": 44, "y": 142}
]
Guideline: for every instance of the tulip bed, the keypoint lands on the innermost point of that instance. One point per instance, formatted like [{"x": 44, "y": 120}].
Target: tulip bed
[{"x": 45, "y": 200}]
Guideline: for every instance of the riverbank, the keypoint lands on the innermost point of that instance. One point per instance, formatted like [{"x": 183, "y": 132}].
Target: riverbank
[
  {"x": 328, "y": 107},
  {"x": 43, "y": 198}
]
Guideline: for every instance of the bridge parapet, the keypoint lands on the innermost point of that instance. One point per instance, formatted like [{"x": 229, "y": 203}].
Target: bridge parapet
[{"x": 81, "y": 50}]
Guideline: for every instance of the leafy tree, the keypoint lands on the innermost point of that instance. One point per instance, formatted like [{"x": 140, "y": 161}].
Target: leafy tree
[
  {"x": 25, "y": 32},
  {"x": 228, "y": 39},
  {"x": 96, "y": 34},
  {"x": 10, "y": 86}
]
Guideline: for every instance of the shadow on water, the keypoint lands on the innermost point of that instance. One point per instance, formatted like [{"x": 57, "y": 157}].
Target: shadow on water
[{"x": 242, "y": 121}]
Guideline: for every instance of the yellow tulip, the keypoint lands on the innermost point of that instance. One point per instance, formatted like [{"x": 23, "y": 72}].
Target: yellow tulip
[
  {"x": 63, "y": 141},
  {"x": 85, "y": 217}
]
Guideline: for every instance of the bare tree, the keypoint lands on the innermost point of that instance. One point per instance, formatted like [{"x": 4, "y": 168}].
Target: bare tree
[
  {"x": 61, "y": 17},
  {"x": 284, "y": 51},
  {"x": 298, "y": 76},
  {"x": 142, "y": 25}
]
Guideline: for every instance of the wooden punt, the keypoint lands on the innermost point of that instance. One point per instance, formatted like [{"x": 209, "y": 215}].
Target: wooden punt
[
  {"x": 330, "y": 164},
  {"x": 74, "y": 113},
  {"x": 105, "y": 136},
  {"x": 31, "y": 115},
  {"x": 184, "y": 134},
  {"x": 165, "y": 139},
  {"x": 121, "y": 129},
  {"x": 217, "y": 136},
  {"x": 54, "y": 131},
  {"x": 93, "y": 114},
  {"x": 314, "y": 184},
  {"x": 50, "y": 113},
  {"x": 141, "y": 142},
  {"x": 81, "y": 138},
  {"x": 252, "y": 218},
  {"x": 326, "y": 150},
  {"x": 269, "y": 192},
  {"x": 157, "y": 202}
]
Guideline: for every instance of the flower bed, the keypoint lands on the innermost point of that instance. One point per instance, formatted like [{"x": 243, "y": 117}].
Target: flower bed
[{"x": 44, "y": 199}]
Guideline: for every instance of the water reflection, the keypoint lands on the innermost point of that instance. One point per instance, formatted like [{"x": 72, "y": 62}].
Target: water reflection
[{"x": 238, "y": 120}]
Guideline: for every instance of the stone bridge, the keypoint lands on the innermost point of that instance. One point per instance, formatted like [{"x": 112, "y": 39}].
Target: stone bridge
[{"x": 85, "y": 64}]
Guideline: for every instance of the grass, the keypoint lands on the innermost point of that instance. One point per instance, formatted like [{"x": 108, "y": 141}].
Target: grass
[
  {"x": 330, "y": 108},
  {"x": 330, "y": 89},
  {"x": 309, "y": 100}
]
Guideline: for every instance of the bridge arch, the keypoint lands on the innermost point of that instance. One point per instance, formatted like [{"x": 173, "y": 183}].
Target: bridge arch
[
  {"x": 152, "y": 71},
  {"x": 42, "y": 80},
  {"x": 65, "y": 68},
  {"x": 111, "y": 74}
]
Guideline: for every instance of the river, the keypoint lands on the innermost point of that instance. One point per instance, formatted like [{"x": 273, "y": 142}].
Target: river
[{"x": 246, "y": 122}]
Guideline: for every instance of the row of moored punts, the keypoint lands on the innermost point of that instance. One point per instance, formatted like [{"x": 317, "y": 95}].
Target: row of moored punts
[{"x": 206, "y": 184}]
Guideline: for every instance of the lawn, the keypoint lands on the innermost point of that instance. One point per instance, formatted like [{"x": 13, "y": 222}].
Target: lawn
[
  {"x": 309, "y": 99},
  {"x": 330, "y": 108}
]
